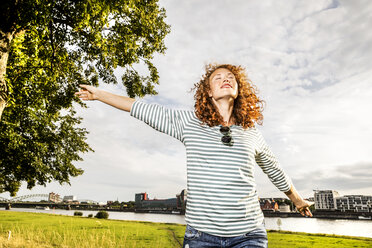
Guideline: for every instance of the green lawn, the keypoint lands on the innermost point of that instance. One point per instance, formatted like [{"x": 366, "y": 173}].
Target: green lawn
[
  {"x": 46, "y": 230},
  {"x": 303, "y": 240}
]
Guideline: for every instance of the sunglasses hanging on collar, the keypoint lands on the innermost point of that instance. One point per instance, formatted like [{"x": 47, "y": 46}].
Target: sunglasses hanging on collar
[{"x": 226, "y": 139}]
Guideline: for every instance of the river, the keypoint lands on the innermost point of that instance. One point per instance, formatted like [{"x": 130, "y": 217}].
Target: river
[{"x": 361, "y": 228}]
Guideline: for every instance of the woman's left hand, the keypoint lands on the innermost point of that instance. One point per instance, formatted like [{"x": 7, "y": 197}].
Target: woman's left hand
[
  {"x": 303, "y": 208},
  {"x": 301, "y": 204}
]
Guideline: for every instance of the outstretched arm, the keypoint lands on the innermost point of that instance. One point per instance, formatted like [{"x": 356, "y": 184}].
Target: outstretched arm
[
  {"x": 270, "y": 165},
  {"x": 162, "y": 119},
  {"x": 88, "y": 92},
  {"x": 301, "y": 204}
]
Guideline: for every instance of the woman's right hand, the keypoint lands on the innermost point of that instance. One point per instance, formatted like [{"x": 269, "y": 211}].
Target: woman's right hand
[{"x": 87, "y": 92}]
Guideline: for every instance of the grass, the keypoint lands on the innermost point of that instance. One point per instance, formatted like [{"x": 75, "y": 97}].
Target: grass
[
  {"x": 284, "y": 239},
  {"x": 46, "y": 230}
]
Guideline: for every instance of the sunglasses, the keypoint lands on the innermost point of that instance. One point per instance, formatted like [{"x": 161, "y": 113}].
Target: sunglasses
[{"x": 226, "y": 139}]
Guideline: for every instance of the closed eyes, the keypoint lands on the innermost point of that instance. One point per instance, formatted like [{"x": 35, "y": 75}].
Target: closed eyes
[{"x": 230, "y": 77}]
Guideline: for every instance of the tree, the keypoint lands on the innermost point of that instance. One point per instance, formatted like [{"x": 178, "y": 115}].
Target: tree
[
  {"x": 48, "y": 48},
  {"x": 102, "y": 215}
]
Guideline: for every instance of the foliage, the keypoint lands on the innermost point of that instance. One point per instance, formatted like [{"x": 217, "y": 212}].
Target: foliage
[
  {"x": 131, "y": 204},
  {"x": 58, "y": 45},
  {"x": 90, "y": 215},
  {"x": 78, "y": 213},
  {"x": 102, "y": 215}
]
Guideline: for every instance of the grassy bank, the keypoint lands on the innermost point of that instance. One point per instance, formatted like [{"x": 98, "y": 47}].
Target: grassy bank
[{"x": 45, "y": 230}]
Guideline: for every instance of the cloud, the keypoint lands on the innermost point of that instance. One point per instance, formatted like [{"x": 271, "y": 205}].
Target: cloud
[
  {"x": 344, "y": 178},
  {"x": 311, "y": 62}
]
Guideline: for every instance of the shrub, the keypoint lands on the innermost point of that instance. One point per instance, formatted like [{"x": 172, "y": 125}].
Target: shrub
[
  {"x": 77, "y": 213},
  {"x": 102, "y": 215},
  {"x": 90, "y": 215}
]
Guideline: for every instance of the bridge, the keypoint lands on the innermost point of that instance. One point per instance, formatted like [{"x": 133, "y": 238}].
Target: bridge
[
  {"x": 18, "y": 202},
  {"x": 45, "y": 196},
  {"x": 21, "y": 198}
]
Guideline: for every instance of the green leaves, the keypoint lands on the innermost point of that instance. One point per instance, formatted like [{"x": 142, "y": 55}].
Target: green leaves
[
  {"x": 137, "y": 85},
  {"x": 59, "y": 45}
]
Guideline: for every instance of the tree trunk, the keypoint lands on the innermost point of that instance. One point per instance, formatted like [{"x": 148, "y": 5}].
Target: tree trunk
[{"x": 5, "y": 40}]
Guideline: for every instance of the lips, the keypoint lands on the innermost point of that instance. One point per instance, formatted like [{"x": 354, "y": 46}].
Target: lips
[{"x": 226, "y": 86}]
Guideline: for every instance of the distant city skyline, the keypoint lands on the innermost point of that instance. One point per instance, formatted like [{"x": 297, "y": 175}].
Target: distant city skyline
[
  {"x": 311, "y": 62},
  {"x": 149, "y": 195}
]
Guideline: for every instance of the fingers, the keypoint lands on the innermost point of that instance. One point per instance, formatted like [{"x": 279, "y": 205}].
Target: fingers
[
  {"x": 84, "y": 86},
  {"x": 308, "y": 213},
  {"x": 83, "y": 94},
  {"x": 305, "y": 211}
]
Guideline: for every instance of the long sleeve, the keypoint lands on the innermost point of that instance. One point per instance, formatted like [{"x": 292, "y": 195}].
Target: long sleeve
[
  {"x": 270, "y": 165},
  {"x": 168, "y": 121}
]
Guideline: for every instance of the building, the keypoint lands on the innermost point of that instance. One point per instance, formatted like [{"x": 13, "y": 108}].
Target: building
[
  {"x": 285, "y": 208},
  {"x": 53, "y": 197},
  {"x": 354, "y": 203},
  {"x": 142, "y": 202},
  {"x": 279, "y": 199},
  {"x": 268, "y": 204},
  {"x": 139, "y": 197},
  {"x": 161, "y": 204},
  {"x": 69, "y": 198},
  {"x": 331, "y": 200},
  {"x": 325, "y": 199}
]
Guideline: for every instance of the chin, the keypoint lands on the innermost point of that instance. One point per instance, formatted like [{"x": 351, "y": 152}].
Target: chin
[{"x": 228, "y": 97}]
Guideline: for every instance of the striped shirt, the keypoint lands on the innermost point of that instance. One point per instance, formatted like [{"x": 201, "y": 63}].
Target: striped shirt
[{"x": 221, "y": 191}]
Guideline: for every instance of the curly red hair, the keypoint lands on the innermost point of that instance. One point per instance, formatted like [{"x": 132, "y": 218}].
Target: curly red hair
[{"x": 247, "y": 106}]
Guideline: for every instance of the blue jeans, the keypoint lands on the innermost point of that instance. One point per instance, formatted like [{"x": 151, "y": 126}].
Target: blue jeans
[{"x": 197, "y": 239}]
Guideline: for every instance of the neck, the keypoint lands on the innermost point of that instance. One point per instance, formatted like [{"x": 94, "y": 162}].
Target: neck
[{"x": 225, "y": 108}]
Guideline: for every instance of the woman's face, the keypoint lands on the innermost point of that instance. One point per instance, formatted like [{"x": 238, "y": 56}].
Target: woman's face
[{"x": 223, "y": 85}]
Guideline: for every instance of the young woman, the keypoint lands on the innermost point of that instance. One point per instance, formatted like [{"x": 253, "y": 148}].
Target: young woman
[{"x": 222, "y": 146}]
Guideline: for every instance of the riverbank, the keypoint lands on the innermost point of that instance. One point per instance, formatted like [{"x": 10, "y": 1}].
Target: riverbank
[
  {"x": 331, "y": 215},
  {"x": 321, "y": 214},
  {"x": 46, "y": 230}
]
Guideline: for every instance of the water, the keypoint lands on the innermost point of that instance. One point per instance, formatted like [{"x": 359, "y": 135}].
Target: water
[{"x": 362, "y": 228}]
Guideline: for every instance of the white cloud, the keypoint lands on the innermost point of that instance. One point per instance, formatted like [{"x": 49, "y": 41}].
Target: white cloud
[{"x": 311, "y": 63}]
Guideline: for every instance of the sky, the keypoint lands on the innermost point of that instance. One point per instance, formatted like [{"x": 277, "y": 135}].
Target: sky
[{"x": 310, "y": 60}]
